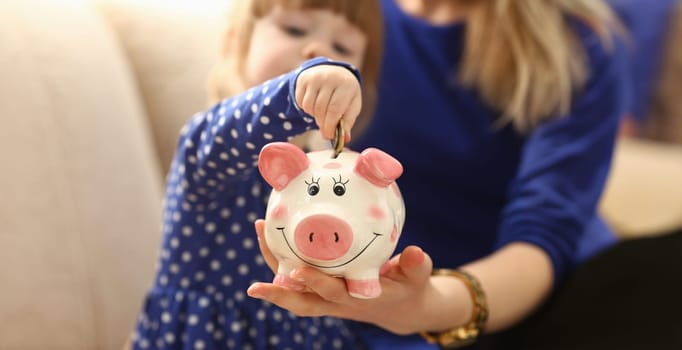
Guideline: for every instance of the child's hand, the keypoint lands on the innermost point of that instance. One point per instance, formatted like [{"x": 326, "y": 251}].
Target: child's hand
[{"x": 330, "y": 94}]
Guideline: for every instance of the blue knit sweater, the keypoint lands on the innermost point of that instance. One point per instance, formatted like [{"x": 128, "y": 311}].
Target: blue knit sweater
[{"x": 471, "y": 187}]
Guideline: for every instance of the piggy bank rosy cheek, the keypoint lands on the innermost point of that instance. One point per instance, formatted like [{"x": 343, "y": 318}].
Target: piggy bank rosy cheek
[
  {"x": 342, "y": 216},
  {"x": 279, "y": 212}
]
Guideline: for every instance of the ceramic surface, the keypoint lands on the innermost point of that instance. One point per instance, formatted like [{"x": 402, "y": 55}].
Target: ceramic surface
[{"x": 342, "y": 216}]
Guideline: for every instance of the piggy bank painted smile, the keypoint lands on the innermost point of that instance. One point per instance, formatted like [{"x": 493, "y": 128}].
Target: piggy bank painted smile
[{"x": 340, "y": 215}]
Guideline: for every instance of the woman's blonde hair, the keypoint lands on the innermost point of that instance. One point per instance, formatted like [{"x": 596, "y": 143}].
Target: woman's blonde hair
[
  {"x": 664, "y": 120},
  {"x": 525, "y": 60},
  {"x": 226, "y": 79}
]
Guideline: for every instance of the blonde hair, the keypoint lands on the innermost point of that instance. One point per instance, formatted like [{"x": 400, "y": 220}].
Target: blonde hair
[
  {"x": 226, "y": 79},
  {"x": 664, "y": 121},
  {"x": 523, "y": 57}
]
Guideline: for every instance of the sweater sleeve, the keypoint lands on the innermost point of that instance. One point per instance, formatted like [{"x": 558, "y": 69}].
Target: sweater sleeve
[
  {"x": 220, "y": 146},
  {"x": 565, "y": 162}
]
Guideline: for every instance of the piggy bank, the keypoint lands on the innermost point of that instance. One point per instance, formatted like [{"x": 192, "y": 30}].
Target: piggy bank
[{"x": 340, "y": 215}]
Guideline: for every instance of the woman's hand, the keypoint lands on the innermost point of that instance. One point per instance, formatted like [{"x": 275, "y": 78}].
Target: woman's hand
[
  {"x": 403, "y": 307},
  {"x": 330, "y": 94}
]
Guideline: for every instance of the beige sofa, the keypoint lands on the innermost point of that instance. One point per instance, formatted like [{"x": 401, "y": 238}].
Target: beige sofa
[{"x": 92, "y": 94}]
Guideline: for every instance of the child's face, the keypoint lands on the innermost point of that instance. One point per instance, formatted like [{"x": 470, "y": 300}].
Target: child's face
[{"x": 285, "y": 38}]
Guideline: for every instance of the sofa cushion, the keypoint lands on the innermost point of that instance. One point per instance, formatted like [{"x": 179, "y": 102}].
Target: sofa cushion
[
  {"x": 171, "y": 44},
  {"x": 81, "y": 188},
  {"x": 643, "y": 196}
]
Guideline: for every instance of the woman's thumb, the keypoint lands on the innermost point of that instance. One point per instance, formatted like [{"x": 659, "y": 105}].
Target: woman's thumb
[{"x": 416, "y": 264}]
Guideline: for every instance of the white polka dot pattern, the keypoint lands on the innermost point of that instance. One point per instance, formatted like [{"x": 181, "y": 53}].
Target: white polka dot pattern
[{"x": 209, "y": 255}]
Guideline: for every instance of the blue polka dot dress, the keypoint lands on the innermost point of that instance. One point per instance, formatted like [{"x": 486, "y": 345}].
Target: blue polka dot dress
[{"x": 209, "y": 254}]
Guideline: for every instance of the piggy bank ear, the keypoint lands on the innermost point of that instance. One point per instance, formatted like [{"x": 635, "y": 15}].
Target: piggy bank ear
[
  {"x": 281, "y": 162},
  {"x": 378, "y": 167}
]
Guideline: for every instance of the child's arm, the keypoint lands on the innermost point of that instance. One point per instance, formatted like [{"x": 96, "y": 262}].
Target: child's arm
[{"x": 222, "y": 144}]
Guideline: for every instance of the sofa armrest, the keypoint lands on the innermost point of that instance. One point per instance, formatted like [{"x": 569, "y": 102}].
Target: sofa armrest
[{"x": 644, "y": 192}]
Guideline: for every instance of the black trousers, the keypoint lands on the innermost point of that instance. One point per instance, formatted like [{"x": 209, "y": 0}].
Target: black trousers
[{"x": 628, "y": 297}]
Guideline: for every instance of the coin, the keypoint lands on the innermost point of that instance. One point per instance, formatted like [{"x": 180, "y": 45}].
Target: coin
[{"x": 339, "y": 141}]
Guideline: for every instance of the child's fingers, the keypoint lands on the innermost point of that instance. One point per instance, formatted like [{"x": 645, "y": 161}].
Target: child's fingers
[
  {"x": 267, "y": 255},
  {"x": 336, "y": 108},
  {"x": 306, "y": 95},
  {"x": 344, "y": 107},
  {"x": 315, "y": 100},
  {"x": 320, "y": 109},
  {"x": 351, "y": 115}
]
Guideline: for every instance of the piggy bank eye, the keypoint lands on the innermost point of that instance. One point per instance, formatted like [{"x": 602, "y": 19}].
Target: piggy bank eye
[
  {"x": 313, "y": 186},
  {"x": 340, "y": 186},
  {"x": 339, "y": 189},
  {"x": 313, "y": 189}
]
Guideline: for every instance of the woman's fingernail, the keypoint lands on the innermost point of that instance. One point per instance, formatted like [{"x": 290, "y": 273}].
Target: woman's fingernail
[{"x": 253, "y": 292}]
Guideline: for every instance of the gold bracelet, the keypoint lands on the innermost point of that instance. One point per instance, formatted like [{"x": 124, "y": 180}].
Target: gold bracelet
[{"x": 468, "y": 333}]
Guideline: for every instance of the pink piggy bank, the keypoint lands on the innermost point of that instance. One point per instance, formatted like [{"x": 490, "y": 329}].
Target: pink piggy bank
[{"x": 342, "y": 216}]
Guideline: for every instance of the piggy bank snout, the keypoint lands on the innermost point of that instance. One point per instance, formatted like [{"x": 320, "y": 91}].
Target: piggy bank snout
[{"x": 323, "y": 237}]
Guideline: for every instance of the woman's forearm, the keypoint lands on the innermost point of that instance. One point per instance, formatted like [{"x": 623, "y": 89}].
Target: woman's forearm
[{"x": 515, "y": 279}]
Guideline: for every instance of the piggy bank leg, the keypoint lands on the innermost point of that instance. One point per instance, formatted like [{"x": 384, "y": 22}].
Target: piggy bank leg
[
  {"x": 365, "y": 285},
  {"x": 282, "y": 279}
]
